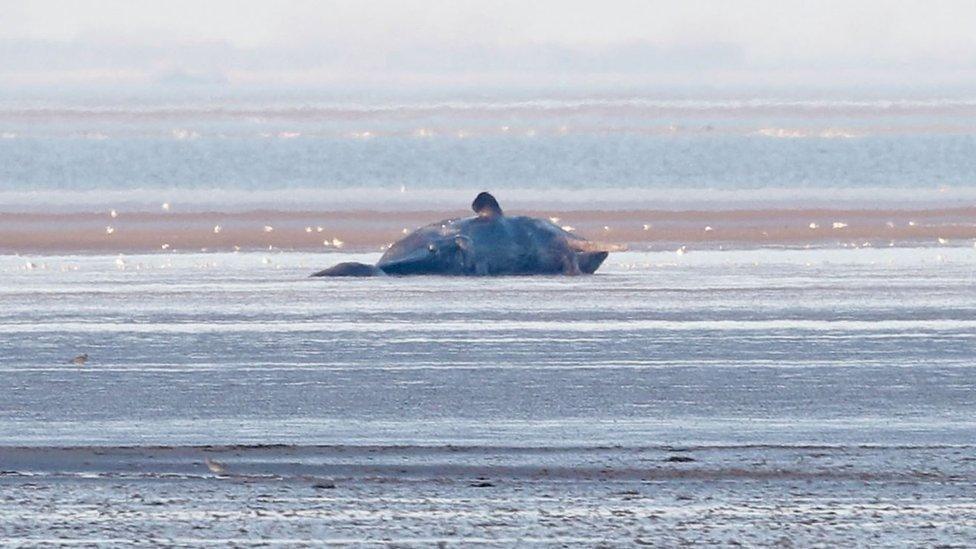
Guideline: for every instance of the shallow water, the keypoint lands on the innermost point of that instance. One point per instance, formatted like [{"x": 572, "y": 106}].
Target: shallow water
[
  {"x": 781, "y": 347},
  {"x": 764, "y": 396},
  {"x": 225, "y": 153}
]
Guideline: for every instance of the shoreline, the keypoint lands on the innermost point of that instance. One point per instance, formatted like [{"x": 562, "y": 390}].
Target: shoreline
[{"x": 371, "y": 231}]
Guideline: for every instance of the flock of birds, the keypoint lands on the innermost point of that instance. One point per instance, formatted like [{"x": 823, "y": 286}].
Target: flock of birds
[{"x": 333, "y": 242}]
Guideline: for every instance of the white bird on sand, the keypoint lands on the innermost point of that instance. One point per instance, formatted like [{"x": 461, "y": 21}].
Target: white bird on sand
[
  {"x": 839, "y": 224},
  {"x": 814, "y": 225},
  {"x": 943, "y": 241},
  {"x": 165, "y": 206},
  {"x": 308, "y": 229},
  {"x": 79, "y": 360},
  {"x": 337, "y": 243},
  {"x": 708, "y": 228},
  {"x": 647, "y": 226},
  {"x": 554, "y": 219},
  {"x": 113, "y": 213},
  {"x": 268, "y": 228},
  {"x": 681, "y": 250},
  {"x": 217, "y": 229},
  {"x": 109, "y": 230},
  {"x": 215, "y": 467},
  {"x": 568, "y": 228}
]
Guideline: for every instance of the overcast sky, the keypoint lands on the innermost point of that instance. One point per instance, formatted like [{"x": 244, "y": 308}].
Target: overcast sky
[{"x": 240, "y": 42}]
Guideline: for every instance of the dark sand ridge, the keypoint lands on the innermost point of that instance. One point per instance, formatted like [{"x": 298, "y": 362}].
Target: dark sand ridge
[{"x": 372, "y": 230}]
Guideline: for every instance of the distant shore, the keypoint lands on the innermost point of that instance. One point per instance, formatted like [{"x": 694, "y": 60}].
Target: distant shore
[{"x": 363, "y": 230}]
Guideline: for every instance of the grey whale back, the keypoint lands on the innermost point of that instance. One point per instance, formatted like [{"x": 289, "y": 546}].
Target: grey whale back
[{"x": 488, "y": 243}]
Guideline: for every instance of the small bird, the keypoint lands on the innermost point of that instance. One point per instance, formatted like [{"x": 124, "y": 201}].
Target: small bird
[
  {"x": 215, "y": 467},
  {"x": 79, "y": 360}
]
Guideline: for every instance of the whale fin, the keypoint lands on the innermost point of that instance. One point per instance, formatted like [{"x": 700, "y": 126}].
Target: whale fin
[{"x": 485, "y": 205}]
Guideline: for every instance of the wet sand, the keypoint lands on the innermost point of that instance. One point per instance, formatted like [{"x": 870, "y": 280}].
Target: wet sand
[
  {"x": 423, "y": 495},
  {"x": 361, "y": 230}
]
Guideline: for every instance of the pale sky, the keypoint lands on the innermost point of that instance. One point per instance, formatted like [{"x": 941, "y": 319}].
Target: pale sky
[{"x": 706, "y": 41}]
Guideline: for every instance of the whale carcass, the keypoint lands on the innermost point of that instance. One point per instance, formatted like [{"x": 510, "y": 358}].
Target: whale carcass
[{"x": 489, "y": 243}]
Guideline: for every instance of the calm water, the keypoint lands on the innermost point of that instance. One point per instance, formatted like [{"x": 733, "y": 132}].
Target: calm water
[
  {"x": 782, "y": 347},
  {"x": 217, "y": 153}
]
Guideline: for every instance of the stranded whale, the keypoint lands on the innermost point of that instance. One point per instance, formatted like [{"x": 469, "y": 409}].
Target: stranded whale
[{"x": 490, "y": 243}]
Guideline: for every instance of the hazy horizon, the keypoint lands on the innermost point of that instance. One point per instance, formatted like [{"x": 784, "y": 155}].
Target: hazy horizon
[{"x": 696, "y": 47}]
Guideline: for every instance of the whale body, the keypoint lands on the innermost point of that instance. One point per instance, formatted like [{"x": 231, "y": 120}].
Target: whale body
[{"x": 489, "y": 243}]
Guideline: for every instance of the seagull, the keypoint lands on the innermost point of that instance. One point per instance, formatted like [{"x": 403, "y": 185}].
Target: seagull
[
  {"x": 165, "y": 206},
  {"x": 79, "y": 360},
  {"x": 215, "y": 467}
]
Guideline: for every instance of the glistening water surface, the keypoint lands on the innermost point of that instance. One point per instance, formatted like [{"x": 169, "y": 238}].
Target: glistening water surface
[{"x": 773, "y": 347}]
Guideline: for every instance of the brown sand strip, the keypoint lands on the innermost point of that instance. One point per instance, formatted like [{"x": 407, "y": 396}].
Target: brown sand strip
[{"x": 369, "y": 230}]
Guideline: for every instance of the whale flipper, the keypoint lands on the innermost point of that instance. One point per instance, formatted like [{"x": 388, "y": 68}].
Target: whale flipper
[
  {"x": 351, "y": 268},
  {"x": 589, "y": 262}
]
